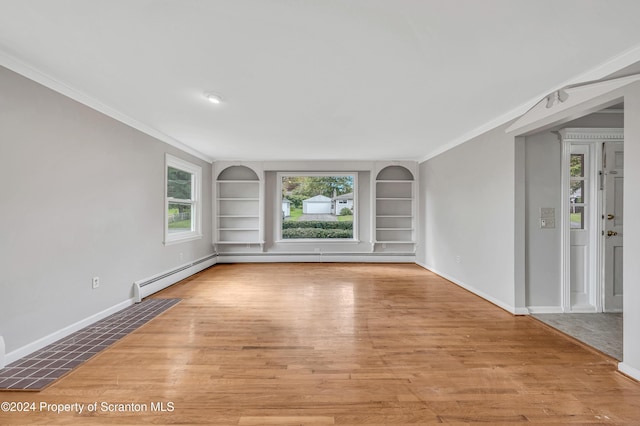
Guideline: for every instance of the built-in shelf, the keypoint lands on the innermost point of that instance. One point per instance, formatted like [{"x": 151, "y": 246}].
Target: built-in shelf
[
  {"x": 238, "y": 207},
  {"x": 394, "y": 214}
]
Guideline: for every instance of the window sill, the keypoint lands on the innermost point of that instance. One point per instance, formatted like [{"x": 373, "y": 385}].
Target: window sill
[
  {"x": 323, "y": 241},
  {"x": 182, "y": 239}
]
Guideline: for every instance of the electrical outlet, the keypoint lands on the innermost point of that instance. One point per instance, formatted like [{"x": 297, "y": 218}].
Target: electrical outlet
[
  {"x": 95, "y": 282},
  {"x": 180, "y": 257},
  {"x": 458, "y": 259}
]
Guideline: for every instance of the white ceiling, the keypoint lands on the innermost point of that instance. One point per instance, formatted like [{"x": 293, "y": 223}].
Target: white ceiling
[{"x": 316, "y": 79}]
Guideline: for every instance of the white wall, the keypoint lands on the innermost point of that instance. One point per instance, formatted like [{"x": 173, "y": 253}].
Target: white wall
[
  {"x": 82, "y": 196},
  {"x": 467, "y": 216}
]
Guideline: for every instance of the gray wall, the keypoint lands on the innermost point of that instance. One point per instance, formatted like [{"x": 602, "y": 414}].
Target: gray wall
[
  {"x": 82, "y": 196},
  {"x": 467, "y": 215},
  {"x": 542, "y": 252},
  {"x": 631, "y": 354}
]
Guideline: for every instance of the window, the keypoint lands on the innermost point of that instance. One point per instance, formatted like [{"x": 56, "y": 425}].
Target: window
[
  {"x": 318, "y": 206},
  {"x": 182, "y": 206},
  {"x": 577, "y": 191}
]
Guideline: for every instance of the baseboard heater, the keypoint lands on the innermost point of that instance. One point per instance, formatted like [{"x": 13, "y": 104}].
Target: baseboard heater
[{"x": 148, "y": 286}]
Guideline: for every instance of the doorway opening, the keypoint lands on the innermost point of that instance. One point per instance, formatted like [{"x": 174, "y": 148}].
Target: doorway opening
[{"x": 592, "y": 220}]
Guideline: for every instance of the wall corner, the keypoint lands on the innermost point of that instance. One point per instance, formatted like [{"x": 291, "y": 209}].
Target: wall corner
[{"x": 2, "y": 348}]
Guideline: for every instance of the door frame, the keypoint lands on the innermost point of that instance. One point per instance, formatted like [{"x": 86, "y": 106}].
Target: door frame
[{"x": 594, "y": 138}]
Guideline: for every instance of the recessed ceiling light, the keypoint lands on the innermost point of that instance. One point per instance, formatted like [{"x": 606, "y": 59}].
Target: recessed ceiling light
[{"x": 214, "y": 98}]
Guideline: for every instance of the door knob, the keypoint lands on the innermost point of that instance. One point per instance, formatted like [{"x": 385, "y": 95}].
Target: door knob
[
  {"x": 610, "y": 216},
  {"x": 611, "y": 233}
]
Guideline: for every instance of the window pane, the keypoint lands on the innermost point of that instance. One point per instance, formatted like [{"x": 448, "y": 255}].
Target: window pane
[
  {"x": 576, "y": 192},
  {"x": 317, "y": 207},
  {"x": 179, "y": 218},
  {"x": 179, "y": 184},
  {"x": 577, "y": 165},
  {"x": 577, "y": 217}
]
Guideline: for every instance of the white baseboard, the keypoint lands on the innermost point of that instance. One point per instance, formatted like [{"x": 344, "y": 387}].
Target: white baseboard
[
  {"x": 165, "y": 279},
  {"x": 545, "y": 309},
  {"x": 521, "y": 311},
  {"x": 485, "y": 296},
  {"x": 168, "y": 279},
  {"x": 583, "y": 309},
  {"x": 64, "y": 332},
  {"x": 316, "y": 258},
  {"x": 629, "y": 370}
]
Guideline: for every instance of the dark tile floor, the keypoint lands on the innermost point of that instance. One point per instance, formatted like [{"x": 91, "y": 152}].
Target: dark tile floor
[{"x": 43, "y": 367}]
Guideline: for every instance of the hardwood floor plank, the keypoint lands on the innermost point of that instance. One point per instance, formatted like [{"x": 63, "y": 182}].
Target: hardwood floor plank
[{"x": 338, "y": 344}]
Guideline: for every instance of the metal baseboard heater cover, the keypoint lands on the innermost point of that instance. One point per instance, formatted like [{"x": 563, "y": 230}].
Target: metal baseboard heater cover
[{"x": 148, "y": 286}]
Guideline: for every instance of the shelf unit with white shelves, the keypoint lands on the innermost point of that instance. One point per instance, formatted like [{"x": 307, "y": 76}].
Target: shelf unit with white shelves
[
  {"x": 238, "y": 207},
  {"x": 395, "y": 206}
]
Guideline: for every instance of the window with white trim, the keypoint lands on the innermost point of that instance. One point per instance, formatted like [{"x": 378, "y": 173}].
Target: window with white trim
[
  {"x": 182, "y": 200},
  {"x": 318, "y": 206}
]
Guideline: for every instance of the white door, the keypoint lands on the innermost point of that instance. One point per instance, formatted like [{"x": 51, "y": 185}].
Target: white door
[
  {"x": 613, "y": 219},
  {"x": 580, "y": 212}
]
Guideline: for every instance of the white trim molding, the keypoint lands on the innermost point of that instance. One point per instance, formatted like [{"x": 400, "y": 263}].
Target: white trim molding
[
  {"x": 579, "y": 100},
  {"x": 499, "y": 303},
  {"x": 588, "y": 134},
  {"x": 545, "y": 309},
  {"x": 53, "y": 83},
  {"x": 192, "y": 268},
  {"x": 590, "y": 137},
  {"x": 195, "y": 200},
  {"x": 628, "y": 370},
  {"x": 64, "y": 332},
  {"x": 316, "y": 257}
]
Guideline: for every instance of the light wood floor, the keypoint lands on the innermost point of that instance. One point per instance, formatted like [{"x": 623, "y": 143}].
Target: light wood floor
[{"x": 339, "y": 344}]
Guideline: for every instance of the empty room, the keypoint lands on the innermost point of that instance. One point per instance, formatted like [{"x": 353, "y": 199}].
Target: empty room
[{"x": 306, "y": 212}]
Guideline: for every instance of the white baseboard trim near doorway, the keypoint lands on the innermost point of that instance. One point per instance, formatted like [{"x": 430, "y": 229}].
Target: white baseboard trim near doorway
[
  {"x": 545, "y": 309},
  {"x": 63, "y": 332},
  {"x": 499, "y": 303},
  {"x": 629, "y": 370}
]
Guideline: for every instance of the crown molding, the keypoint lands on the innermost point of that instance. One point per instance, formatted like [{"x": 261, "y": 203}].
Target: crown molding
[
  {"x": 581, "y": 134},
  {"x": 612, "y": 65},
  {"x": 12, "y": 63}
]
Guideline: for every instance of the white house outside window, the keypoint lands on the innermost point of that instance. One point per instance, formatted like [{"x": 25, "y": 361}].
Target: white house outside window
[{"x": 182, "y": 207}]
